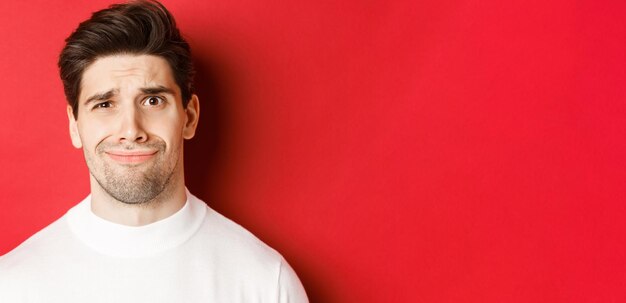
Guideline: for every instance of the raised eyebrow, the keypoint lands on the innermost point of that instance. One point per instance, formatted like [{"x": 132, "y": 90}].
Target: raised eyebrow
[
  {"x": 157, "y": 90},
  {"x": 101, "y": 96}
]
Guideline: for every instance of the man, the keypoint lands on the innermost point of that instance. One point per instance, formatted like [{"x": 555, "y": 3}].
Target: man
[{"x": 140, "y": 236}]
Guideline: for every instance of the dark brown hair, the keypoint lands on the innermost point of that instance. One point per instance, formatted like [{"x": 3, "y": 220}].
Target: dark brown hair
[{"x": 142, "y": 27}]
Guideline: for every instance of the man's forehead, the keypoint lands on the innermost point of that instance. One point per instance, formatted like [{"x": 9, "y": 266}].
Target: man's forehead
[{"x": 118, "y": 73}]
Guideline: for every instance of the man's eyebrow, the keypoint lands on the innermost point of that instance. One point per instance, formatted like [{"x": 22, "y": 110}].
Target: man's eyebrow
[
  {"x": 157, "y": 90},
  {"x": 101, "y": 96}
]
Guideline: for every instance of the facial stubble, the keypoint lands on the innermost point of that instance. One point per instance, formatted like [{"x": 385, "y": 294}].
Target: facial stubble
[{"x": 133, "y": 184}]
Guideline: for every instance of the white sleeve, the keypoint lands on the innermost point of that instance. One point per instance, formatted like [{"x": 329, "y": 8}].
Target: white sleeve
[{"x": 290, "y": 290}]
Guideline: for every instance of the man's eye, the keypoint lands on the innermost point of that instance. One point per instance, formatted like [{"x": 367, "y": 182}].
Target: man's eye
[
  {"x": 153, "y": 101},
  {"x": 102, "y": 105}
]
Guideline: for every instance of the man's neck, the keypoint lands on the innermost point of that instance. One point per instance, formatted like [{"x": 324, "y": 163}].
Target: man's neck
[{"x": 164, "y": 205}]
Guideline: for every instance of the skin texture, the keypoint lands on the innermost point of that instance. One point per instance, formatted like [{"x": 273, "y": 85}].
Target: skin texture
[{"x": 131, "y": 126}]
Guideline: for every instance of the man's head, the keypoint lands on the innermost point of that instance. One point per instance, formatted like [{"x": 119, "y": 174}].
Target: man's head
[
  {"x": 127, "y": 75},
  {"x": 138, "y": 27}
]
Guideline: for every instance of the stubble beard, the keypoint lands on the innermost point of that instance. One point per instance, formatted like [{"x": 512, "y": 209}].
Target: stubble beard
[{"x": 132, "y": 184}]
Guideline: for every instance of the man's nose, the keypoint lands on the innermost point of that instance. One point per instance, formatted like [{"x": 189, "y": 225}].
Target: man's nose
[{"x": 131, "y": 128}]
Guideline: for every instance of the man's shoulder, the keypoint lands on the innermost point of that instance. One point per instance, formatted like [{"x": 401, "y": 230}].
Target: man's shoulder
[
  {"x": 235, "y": 236},
  {"x": 32, "y": 254},
  {"x": 241, "y": 257},
  {"x": 38, "y": 245},
  {"x": 224, "y": 237}
]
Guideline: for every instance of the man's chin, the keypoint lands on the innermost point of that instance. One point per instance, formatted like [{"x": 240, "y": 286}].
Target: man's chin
[{"x": 132, "y": 192}]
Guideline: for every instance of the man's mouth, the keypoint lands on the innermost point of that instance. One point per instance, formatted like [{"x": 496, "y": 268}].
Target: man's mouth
[{"x": 131, "y": 157}]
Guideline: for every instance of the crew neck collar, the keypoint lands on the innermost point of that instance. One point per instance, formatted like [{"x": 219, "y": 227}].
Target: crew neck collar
[{"x": 119, "y": 240}]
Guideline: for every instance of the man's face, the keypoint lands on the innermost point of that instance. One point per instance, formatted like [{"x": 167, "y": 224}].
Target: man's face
[{"x": 131, "y": 125}]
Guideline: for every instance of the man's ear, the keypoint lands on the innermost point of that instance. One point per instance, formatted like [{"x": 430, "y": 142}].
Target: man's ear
[
  {"x": 192, "y": 114},
  {"x": 73, "y": 128}
]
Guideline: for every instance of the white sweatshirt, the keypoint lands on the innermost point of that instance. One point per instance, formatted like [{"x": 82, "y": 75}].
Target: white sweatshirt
[{"x": 195, "y": 255}]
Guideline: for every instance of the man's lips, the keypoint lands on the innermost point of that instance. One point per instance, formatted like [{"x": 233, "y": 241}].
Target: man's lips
[{"x": 131, "y": 157}]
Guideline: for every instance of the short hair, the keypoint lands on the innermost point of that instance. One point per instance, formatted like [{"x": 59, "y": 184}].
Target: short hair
[{"x": 143, "y": 27}]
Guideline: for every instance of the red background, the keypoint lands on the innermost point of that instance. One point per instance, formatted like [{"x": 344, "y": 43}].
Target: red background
[{"x": 403, "y": 151}]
